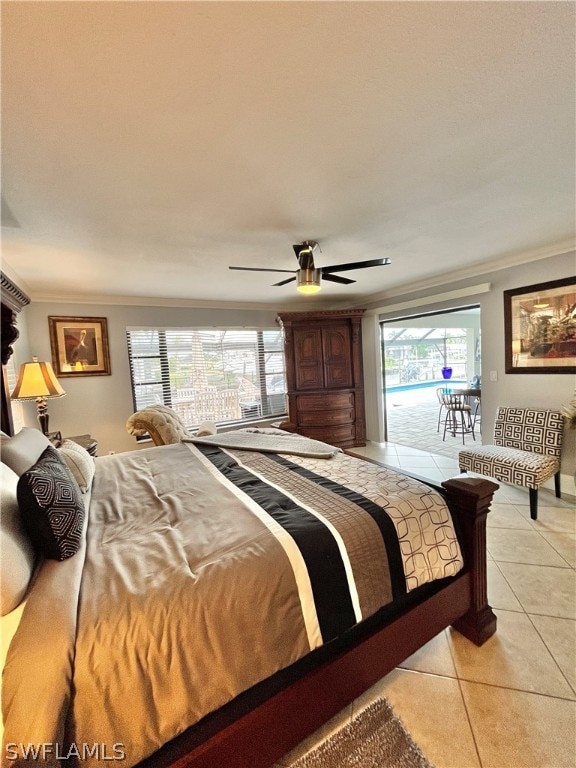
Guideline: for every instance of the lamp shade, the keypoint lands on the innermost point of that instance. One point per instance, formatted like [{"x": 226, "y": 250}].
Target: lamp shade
[{"x": 36, "y": 380}]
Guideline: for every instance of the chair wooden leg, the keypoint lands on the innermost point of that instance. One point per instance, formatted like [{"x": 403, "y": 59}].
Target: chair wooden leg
[
  {"x": 533, "y": 503},
  {"x": 557, "y": 484}
]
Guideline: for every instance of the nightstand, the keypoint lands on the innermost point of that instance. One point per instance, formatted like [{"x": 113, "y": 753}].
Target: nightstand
[{"x": 87, "y": 442}]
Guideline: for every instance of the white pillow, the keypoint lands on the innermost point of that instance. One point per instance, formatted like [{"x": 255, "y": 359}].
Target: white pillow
[
  {"x": 23, "y": 450},
  {"x": 79, "y": 462},
  {"x": 16, "y": 551}
]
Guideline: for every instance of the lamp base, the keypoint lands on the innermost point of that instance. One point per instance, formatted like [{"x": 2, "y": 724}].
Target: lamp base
[
  {"x": 43, "y": 419},
  {"x": 42, "y": 407}
]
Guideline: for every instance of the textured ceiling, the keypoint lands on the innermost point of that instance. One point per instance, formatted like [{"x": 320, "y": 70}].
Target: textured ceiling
[{"x": 148, "y": 145}]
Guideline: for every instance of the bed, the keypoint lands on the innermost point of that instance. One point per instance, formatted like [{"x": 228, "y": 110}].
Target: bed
[{"x": 219, "y": 599}]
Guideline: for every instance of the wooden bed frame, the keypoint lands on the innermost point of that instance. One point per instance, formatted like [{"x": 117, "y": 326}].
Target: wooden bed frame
[{"x": 262, "y": 724}]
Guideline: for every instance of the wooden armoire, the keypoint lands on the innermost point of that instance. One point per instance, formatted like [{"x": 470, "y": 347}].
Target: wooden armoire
[{"x": 324, "y": 375}]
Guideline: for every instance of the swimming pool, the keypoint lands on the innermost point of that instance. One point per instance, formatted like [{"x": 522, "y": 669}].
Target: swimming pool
[
  {"x": 418, "y": 392},
  {"x": 425, "y": 385}
]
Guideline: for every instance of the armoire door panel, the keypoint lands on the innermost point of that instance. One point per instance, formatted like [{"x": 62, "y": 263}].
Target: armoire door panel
[
  {"x": 308, "y": 358},
  {"x": 336, "y": 355},
  {"x": 337, "y": 376},
  {"x": 309, "y": 377}
]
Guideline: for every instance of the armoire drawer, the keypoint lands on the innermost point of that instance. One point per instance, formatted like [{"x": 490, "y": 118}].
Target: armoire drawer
[
  {"x": 326, "y": 418},
  {"x": 326, "y": 401},
  {"x": 342, "y": 436}
]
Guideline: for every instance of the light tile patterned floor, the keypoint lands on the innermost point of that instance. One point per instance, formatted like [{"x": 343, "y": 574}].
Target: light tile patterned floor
[{"x": 512, "y": 702}]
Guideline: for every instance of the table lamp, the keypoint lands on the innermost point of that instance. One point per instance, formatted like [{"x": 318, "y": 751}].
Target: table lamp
[{"x": 37, "y": 381}]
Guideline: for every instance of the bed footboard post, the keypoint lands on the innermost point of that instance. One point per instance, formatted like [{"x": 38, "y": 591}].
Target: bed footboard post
[{"x": 469, "y": 498}]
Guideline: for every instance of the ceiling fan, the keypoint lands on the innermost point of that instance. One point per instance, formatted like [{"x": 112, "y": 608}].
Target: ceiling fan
[{"x": 308, "y": 276}]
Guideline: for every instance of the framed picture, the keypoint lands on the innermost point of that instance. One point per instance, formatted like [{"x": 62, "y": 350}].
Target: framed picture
[
  {"x": 79, "y": 346},
  {"x": 540, "y": 328}
]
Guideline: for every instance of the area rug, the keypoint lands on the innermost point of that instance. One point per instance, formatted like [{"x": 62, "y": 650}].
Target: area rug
[{"x": 375, "y": 738}]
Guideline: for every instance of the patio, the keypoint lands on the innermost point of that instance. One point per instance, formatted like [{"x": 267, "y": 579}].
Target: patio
[{"x": 412, "y": 418}]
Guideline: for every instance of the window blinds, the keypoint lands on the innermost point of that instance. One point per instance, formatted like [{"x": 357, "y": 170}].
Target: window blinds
[{"x": 219, "y": 375}]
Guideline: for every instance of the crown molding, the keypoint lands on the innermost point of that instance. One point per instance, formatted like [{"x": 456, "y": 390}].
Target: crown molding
[
  {"x": 13, "y": 296},
  {"x": 477, "y": 270}
]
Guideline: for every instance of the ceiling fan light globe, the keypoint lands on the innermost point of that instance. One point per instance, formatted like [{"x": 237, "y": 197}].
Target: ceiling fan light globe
[
  {"x": 308, "y": 288},
  {"x": 308, "y": 281}
]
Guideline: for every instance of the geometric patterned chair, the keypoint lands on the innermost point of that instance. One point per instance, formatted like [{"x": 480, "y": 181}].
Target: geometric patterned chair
[{"x": 526, "y": 450}]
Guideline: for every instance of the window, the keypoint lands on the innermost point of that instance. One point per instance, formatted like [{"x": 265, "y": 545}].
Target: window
[{"x": 219, "y": 375}]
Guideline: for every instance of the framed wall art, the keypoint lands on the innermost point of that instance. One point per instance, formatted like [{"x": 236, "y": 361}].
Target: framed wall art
[
  {"x": 79, "y": 346},
  {"x": 540, "y": 328}
]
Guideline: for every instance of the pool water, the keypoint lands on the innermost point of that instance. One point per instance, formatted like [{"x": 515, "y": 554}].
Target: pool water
[
  {"x": 418, "y": 392},
  {"x": 426, "y": 385}
]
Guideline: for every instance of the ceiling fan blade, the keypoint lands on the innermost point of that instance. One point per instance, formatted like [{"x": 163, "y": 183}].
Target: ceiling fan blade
[
  {"x": 337, "y": 279},
  {"x": 283, "y": 282},
  {"x": 355, "y": 265},
  {"x": 263, "y": 269}
]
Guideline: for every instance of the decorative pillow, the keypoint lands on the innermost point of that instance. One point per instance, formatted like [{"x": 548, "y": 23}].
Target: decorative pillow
[
  {"x": 160, "y": 422},
  {"x": 52, "y": 506},
  {"x": 24, "y": 449},
  {"x": 79, "y": 462},
  {"x": 16, "y": 552}
]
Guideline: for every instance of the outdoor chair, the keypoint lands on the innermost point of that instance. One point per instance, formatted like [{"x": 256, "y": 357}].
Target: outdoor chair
[
  {"x": 439, "y": 392},
  {"x": 458, "y": 419},
  {"x": 526, "y": 450}
]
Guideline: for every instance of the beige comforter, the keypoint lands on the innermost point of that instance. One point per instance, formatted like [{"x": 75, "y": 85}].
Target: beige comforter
[{"x": 198, "y": 582}]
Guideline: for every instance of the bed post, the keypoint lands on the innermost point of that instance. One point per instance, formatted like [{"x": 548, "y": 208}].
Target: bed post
[{"x": 469, "y": 498}]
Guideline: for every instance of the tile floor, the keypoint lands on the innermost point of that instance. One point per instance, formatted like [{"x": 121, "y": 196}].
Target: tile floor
[{"x": 512, "y": 702}]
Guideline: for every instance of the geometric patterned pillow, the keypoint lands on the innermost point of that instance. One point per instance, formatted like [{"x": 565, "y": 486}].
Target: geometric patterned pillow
[{"x": 51, "y": 506}]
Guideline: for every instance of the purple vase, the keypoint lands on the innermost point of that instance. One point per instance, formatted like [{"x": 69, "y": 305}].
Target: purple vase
[{"x": 446, "y": 373}]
